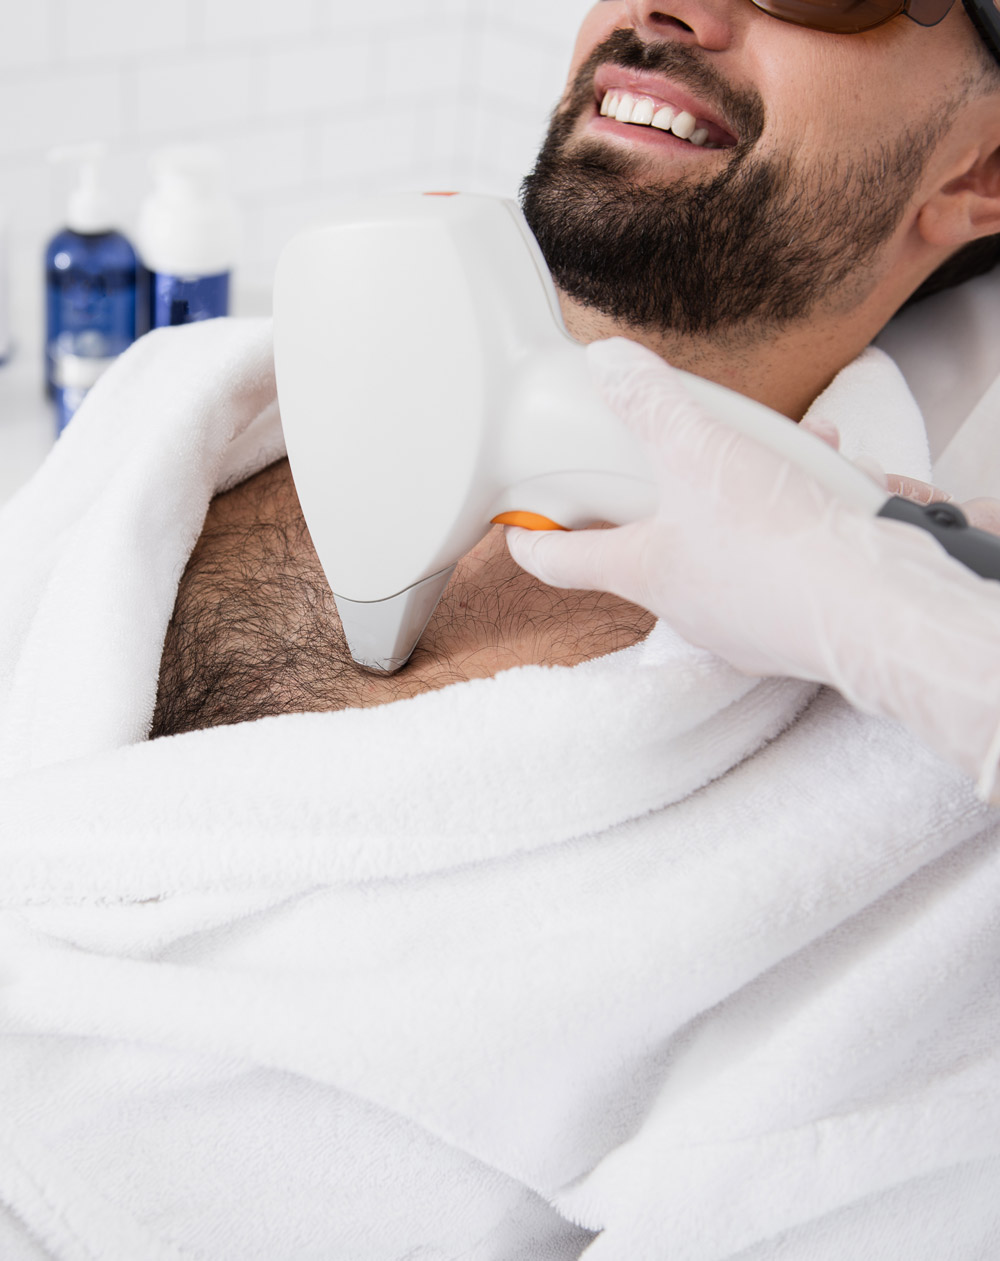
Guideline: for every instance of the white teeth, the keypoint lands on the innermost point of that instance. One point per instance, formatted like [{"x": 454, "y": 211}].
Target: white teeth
[
  {"x": 623, "y": 114},
  {"x": 684, "y": 125},
  {"x": 643, "y": 112}
]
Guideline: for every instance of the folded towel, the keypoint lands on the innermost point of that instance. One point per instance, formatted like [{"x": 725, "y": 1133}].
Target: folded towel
[
  {"x": 704, "y": 968},
  {"x": 91, "y": 550}
]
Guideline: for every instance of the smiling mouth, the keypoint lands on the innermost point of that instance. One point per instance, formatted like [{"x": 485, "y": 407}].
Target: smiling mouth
[
  {"x": 641, "y": 111},
  {"x": 644, "y": 111}
]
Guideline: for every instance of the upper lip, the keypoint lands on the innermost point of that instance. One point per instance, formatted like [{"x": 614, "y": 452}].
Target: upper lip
[{"x": 611, "y": 78}]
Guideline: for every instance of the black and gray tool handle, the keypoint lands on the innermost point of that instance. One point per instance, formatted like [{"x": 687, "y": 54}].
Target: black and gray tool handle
[{"x": 978, "y": 550}]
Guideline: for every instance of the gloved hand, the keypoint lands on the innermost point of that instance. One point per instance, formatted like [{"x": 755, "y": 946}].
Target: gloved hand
[
  {"x": 749, "y": 557},
  {"x": 984, "y": 514}
]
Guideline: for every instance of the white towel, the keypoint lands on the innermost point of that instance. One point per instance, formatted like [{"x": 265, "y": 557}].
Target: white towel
[{"x": 632, "y": 960}]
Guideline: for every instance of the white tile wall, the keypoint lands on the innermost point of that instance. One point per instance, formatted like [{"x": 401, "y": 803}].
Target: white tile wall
[
  {"x": 308, "y": 100},
  {"x": 49, "y": 106},
  {"x": 230, "y": 23},
  {"x": 27, "y": 39},
  {"x": 114, "y": 30}
]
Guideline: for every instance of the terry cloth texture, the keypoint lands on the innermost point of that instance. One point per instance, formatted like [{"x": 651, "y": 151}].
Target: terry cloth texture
[{"x": 706, "y": 968}]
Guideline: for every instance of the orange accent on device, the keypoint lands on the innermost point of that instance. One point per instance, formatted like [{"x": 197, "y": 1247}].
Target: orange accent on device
[
  {"x": 527, "y": 521},
  {"x": 455, "y": 194}
]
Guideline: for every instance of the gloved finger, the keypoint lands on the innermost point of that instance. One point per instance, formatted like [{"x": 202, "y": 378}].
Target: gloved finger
[
  {"x": 822, "y": 428},
  {"x": 919, "y": 492},
  {"x": 646, "y": 393},
  {"x": 984, "y": 514},
  {"x": 873, "y": 469},
  {"x": 689, "y": 450},
  {"x": 581, "y": 560}
]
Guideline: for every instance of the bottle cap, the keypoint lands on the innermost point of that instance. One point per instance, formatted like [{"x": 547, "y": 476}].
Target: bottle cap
[
  {"x": 90, "y": 209},
  {"x": 188, "y": 226}
]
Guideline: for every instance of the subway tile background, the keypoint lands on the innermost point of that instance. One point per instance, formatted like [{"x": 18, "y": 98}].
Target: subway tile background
[{"x": 307, "y": 100}]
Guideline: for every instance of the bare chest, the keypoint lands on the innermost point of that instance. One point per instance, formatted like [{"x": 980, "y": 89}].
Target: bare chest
[{"x": 255, "y": 630}]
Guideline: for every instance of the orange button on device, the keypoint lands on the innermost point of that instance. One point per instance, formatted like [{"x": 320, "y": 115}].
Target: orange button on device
[{"x": 527, "y": 521}]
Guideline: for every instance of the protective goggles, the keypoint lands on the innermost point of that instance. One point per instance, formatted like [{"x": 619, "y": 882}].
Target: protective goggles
[{"x": 848, "y": 17}]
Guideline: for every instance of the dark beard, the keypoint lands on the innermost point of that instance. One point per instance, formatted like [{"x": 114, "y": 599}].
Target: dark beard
[{"x": 743, "y": 253}]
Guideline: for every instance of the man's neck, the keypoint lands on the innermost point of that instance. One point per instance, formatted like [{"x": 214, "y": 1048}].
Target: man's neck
[{"x": 787, "y": 369}]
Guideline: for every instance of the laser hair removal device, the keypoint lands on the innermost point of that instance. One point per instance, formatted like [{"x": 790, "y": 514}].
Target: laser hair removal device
[{"x": 428, "y": 389}]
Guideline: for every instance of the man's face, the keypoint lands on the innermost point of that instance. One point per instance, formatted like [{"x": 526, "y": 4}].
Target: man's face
[{"x": 807, "y": 152}]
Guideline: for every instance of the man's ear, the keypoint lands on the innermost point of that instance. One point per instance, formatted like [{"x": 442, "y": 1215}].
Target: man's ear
[{"x": 967, "y": 206}]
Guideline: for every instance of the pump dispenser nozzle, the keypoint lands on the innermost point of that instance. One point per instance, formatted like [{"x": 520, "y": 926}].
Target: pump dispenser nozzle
[
  {"x": 90, "y": 209},
  {"x": 188, "y": 226}
]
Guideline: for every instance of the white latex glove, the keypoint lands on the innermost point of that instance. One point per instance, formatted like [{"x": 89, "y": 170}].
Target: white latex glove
[{"x": 749, "y": 557}]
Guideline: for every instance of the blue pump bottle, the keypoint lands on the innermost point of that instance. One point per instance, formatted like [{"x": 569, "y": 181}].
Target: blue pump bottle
[
  {"x": 90, "y": 293},
  {"x": 187, "y": 237}
]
